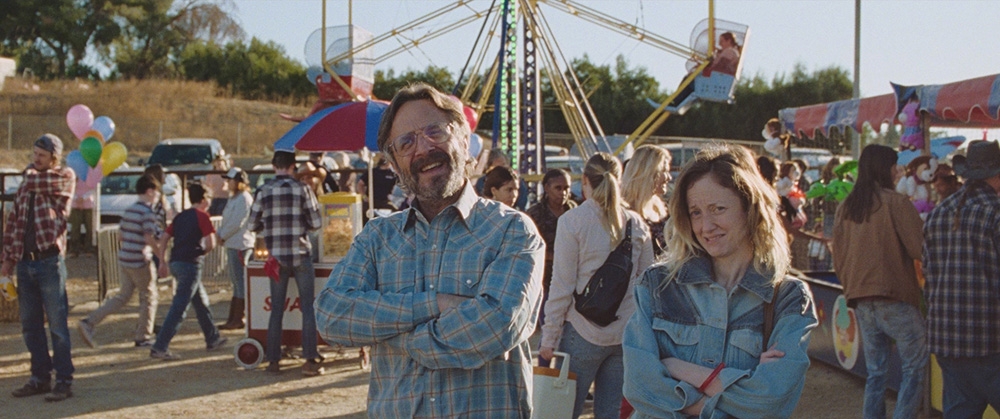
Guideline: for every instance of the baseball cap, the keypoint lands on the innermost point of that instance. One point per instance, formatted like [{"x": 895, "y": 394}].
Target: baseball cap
[{"x": 237, "y": 174}]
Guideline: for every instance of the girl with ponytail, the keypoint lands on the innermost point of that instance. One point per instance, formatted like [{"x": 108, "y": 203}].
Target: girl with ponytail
[{"x": 585, "y": 236}]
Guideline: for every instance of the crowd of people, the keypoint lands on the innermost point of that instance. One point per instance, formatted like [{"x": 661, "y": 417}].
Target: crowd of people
[{"x": 669, "y": 304}]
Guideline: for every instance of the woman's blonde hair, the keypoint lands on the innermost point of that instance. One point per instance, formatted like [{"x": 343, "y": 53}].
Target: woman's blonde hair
[
  {"x": 603, "y": 172},
  {"x": 733, "y": 168},
  {"x": 641, "y": 172}
]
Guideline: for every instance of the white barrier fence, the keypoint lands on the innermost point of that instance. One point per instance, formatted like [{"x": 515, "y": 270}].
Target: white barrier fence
[{"x": 109, "y": 276}]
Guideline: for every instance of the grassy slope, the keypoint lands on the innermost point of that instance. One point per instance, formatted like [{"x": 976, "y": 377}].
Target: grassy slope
[{"x": 143, "y": 111}]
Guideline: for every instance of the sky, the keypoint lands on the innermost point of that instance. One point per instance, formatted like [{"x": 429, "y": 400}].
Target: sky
[{"x": 906, "y": 42}]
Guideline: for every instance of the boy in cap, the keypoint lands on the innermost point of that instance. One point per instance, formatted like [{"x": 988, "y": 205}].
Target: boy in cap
[{"x": 34, "y": 241}]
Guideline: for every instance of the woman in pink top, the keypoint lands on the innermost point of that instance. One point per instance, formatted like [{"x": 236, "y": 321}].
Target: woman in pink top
[{"x": 585, "y": 236}]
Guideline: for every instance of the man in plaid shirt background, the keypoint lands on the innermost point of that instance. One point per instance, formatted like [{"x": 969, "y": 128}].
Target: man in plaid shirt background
[
  {"x": 447, "y": 292},
  {"x": 962, "y": 267},
  {"x": 284, "y": 212},
  {"x": 34, "y": 241}
]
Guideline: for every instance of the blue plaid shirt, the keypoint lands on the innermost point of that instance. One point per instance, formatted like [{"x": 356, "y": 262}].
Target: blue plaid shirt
[
  {"x": 284, "y": 212},
  {"x": 472, "y": 361},
  {"x": 963, "y": 274}
]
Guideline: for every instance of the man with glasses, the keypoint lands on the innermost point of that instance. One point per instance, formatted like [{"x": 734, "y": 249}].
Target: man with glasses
[{"x": 446, "y": 291}]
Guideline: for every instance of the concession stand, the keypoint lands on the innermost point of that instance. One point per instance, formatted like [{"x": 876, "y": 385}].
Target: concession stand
[{"x": 973, "y": 103}]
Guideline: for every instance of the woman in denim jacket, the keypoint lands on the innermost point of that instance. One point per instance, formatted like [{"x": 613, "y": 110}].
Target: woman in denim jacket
[{"x": 695, "y": 345}]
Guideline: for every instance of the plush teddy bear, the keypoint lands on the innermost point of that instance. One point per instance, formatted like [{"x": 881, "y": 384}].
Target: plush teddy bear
[
  {"x": 776, "y": 142},
  {"x": 912, "y": 137},
  {"x": 917, "y": 183},
  {"x": 794, "y": 199}
]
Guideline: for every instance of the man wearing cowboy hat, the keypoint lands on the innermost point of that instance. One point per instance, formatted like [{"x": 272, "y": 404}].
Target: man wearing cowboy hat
[{"x": 962, "y": 265}]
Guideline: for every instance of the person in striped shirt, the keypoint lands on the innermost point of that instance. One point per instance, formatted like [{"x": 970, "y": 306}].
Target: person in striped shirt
[
  {"x": 139, "y": 231},
  {"x": 447, "y": 291}
]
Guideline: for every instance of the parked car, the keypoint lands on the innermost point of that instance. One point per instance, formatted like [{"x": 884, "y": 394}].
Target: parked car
[
  {"x": 118, "y": 193},
  {"x": 186, "y": 153}
]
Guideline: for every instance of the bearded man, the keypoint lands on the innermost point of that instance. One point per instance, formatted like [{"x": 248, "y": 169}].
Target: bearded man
[{"x": 447, "y": 292}]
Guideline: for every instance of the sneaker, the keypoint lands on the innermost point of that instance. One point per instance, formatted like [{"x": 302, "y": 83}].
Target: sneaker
[
  {"x": 312, "y": 368},
  {"x": 219, "y": 341},
  {"x": 145, "y": 343},
  {"x": 273, "y": 368},
  {"x": 60, "y": 393},
  {"x": 32, "y": 389},
  {"x": 164, "y": 355},
  {"x": 86, "y": 332}
]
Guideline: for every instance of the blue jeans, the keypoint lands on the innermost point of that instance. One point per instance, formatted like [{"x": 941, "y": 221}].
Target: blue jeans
[
  {"x": 600, "y": 365},
  {"x": 883, "y": 321},
  {"x": 237, "y": 260},
  {"x": 305, "y": 278},
  {"x": 189, "y": 291},
  {"x": 970, "y": 384},
  {"x": 41, "y": 289}
]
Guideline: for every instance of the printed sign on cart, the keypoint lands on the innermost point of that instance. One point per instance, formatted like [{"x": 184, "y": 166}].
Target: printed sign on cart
[{"x": 260, "y": 303}]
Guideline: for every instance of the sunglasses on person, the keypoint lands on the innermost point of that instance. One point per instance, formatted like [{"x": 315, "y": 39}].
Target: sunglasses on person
[{"x": 437, "y": 133}]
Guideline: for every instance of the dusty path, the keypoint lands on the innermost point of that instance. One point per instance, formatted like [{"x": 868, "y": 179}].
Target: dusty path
[{"x": 117, "y": 380}]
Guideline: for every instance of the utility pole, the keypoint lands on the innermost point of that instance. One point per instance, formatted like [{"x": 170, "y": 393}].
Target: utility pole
[{"x": 856, "y": 136}]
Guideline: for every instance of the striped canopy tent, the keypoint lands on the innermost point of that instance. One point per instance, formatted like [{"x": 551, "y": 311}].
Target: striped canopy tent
[
  {"x": 973, "y": 103},
  {"x": 805, "y": 121}
]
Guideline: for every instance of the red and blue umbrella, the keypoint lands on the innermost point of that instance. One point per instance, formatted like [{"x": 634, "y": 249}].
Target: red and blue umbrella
[{"x": 346, "y": 127}]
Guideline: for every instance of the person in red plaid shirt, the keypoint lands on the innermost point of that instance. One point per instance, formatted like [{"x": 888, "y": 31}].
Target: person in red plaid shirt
[{"x": 34, "y": 241}]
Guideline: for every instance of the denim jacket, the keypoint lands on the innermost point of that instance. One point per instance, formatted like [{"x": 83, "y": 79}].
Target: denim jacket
[{"x": 696, "y": 320}]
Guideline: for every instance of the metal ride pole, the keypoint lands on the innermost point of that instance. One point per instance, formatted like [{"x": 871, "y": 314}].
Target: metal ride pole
[
  {"x": 506, "y": 121},
  {"x": 856, "y": 136}
]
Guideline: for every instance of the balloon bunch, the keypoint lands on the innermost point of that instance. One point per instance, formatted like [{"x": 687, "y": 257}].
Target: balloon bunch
[{"x": 96, "y": 156}]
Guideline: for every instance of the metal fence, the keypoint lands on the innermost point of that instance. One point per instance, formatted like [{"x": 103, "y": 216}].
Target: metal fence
[{"x": 213, "y": 271}]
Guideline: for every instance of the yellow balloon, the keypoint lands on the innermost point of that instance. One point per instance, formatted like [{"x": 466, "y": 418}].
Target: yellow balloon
[{"x": 113, "y": 155}]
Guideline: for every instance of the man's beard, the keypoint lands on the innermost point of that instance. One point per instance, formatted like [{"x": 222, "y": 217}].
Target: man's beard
[{"x": 442, "y": 186}]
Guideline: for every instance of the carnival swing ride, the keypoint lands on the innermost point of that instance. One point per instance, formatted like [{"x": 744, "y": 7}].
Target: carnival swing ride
[{"x": 342, "y": 61}]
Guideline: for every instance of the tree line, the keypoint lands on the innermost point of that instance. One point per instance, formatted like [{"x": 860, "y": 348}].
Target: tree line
[{"x": 200, "y": 40}]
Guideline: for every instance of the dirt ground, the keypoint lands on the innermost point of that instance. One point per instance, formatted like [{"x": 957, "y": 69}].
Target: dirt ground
[{"x": 116, "y": 380}]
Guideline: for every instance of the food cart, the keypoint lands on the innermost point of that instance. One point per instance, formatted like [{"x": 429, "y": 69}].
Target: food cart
[
  {"x": 964, "y": 104},
  {"x": 341, "y": 221}
]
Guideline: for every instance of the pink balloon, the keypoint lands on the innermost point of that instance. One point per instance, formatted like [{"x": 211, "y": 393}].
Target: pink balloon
[
  {"x": 470, "y": 114},
  {"x": 79, "y": 118}
]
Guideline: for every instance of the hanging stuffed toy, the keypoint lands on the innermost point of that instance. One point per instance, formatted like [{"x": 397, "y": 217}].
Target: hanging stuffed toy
[
  {"x": 917, "y": 183},
  {"x": 775, "y": 142},
  {"x": 912, "y": 137},
  {"x": 793, "y": 199}
]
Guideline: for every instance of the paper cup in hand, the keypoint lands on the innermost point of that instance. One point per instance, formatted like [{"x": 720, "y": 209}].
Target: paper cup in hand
[{"x": 8, "y": 288}]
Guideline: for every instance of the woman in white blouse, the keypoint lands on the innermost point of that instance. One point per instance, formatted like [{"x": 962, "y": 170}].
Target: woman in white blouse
[{"x": 585, "y": 236}]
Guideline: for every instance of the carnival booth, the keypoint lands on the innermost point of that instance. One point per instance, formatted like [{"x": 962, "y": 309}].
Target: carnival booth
[{"x": 973, "y": 103}]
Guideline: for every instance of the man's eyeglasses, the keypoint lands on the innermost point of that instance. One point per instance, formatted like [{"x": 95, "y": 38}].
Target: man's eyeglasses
[{"x": 404, "y": 145}]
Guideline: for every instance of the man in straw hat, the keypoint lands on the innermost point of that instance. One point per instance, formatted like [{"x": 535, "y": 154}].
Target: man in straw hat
[
  {"x": 34, "y": 241},
  {"x": 962, "y": 265}
]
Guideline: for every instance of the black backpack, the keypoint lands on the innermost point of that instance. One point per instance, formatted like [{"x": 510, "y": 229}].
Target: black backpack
[{"x": 606, "y": 289}]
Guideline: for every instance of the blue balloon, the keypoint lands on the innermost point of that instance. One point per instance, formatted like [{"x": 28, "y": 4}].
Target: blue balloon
[
  {"x": 105, "y": 126},
  {"x": 76, "y": 162},
  {"x": 475, "y": 145},
  {"x": 313, "y": 72}
]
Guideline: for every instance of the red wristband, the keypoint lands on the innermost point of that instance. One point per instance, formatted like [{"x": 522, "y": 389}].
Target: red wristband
[{"x": 715, "y": 373}]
